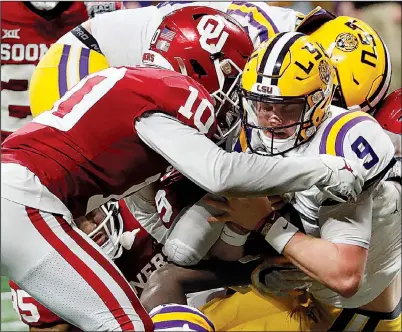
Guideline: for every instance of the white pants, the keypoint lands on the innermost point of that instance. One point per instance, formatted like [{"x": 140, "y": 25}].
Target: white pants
[{"x": 66, "y": 272}]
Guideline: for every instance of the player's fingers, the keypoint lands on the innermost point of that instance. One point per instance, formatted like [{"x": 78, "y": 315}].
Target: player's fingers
[{"x": 224, "y": 206}]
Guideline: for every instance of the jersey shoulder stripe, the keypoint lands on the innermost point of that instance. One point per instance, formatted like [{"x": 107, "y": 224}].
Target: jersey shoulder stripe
[
  {"x": 258, "y": 18},
  {"x": 335, "y": 132}
]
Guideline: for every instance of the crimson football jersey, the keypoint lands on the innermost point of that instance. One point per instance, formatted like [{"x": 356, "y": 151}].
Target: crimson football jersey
[
  {"x": 144, "y": 257},
  {"x": 86, "y": 149},
  {"x": 25, "y": 38},
  {"x": 175, "y": 193},
  {"x": 136, "y": 264}
]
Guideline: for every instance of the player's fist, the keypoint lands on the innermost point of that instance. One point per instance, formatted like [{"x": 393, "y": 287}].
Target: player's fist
[{"x": 280, "y": 279}]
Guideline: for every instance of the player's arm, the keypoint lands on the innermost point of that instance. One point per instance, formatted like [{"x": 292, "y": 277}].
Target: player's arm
[
  {"x": 171, "y": 283},
  {"x": 240, "y": 174},
  {"x": 338, "y": 258}
]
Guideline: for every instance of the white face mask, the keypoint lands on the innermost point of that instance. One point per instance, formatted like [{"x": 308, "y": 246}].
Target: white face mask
[{"x": 44, "y": 5}]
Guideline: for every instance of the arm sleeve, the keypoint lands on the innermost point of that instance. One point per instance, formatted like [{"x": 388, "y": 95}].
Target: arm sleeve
[
  {"x": 221, "y": 172},
  {"x": 142, "y": 205},
  {"x": 124, "y": 35},
  {"x": 368, "y": 144},
  {"x": 348, "y": 223}
]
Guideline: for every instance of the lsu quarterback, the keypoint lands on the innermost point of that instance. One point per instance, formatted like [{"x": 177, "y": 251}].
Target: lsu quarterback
[{"x": 350, "y": 254}]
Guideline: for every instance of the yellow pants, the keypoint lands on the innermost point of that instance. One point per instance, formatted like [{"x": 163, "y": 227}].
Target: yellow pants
[
  {"x": 250, "y": 312},
  {"x": 62, "y": 67}
]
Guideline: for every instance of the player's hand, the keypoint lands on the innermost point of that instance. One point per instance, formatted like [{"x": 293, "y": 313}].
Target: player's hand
[
  {"x": 344, "y": 181},
  {"x": 245, "y": 212},
  {"x": 280, "y": 280}
]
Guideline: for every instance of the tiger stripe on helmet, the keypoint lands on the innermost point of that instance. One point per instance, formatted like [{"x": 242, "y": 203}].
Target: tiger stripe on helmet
[
  {"x": 267, "y": 53},
  {"x": 274, "y": 56},
  {"x": 382, "y": 89}
]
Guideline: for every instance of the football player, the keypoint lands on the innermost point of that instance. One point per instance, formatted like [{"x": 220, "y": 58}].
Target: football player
[
  {"x": 28, "y": 31},
  {"x": 341, "y": 38},
  {"x": 349, "y": 253},
  {"x": 122, "y": 238},
  {"x": 76, "y": 157},
  {"x": 389, "y": 116},
  {"x": 122, "y": 37}
]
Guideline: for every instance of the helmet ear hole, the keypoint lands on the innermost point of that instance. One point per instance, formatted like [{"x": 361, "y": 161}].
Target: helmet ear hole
[{"x": 198, "y": 69}]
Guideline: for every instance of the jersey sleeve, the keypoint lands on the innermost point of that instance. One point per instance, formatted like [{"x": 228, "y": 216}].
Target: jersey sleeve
[
  {"x": 190, "y": 103},
  {"x": 261, "y": 20},
  {"x": 124, "y": 35},
  {"x": 31, "y": 311},
  {"x": 357, "y": 136},
  {"x": 348, "y": 223},
  {"x": 176, "y": 193}
]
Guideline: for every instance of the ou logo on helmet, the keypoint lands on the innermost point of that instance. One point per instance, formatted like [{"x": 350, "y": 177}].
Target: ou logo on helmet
[{"x": 211, "y": 27}]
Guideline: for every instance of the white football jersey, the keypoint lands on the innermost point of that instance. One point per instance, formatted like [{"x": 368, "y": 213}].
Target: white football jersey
[
  {"x": 374, "y": 221},
  {"x": 124, "y": 35}
]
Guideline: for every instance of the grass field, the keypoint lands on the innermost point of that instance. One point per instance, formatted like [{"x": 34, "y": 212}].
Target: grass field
[{"x": 9, "y": 318}]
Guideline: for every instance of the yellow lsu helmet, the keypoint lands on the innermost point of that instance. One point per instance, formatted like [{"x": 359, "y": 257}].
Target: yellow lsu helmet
[
  {"x": 361, "y": 61},
  {"x": 286, "y": 88}
]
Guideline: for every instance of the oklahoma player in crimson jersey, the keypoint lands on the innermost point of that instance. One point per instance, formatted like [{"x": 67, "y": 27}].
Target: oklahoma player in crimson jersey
[
  {"x": 115, "y": 230},
  {"x": 113, "y": 134},
  {"x": 389, "y": 116},
  {"x": 28, "y": 30}
]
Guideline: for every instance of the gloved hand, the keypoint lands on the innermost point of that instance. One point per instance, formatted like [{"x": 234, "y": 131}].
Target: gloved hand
[
  {"x": 344, "y": 181},
  {"x": 279, "y": 279}
]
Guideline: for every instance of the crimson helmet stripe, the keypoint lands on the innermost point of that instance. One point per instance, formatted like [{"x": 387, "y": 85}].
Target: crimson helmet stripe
[{"x": 88, "y": 260}]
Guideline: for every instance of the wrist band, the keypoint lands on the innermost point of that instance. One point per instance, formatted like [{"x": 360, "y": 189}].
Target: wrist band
[
  {"x": 234, "y": 239},
  {"x": 265, "y": 223},
  {"x": 280, "y": 233}
]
